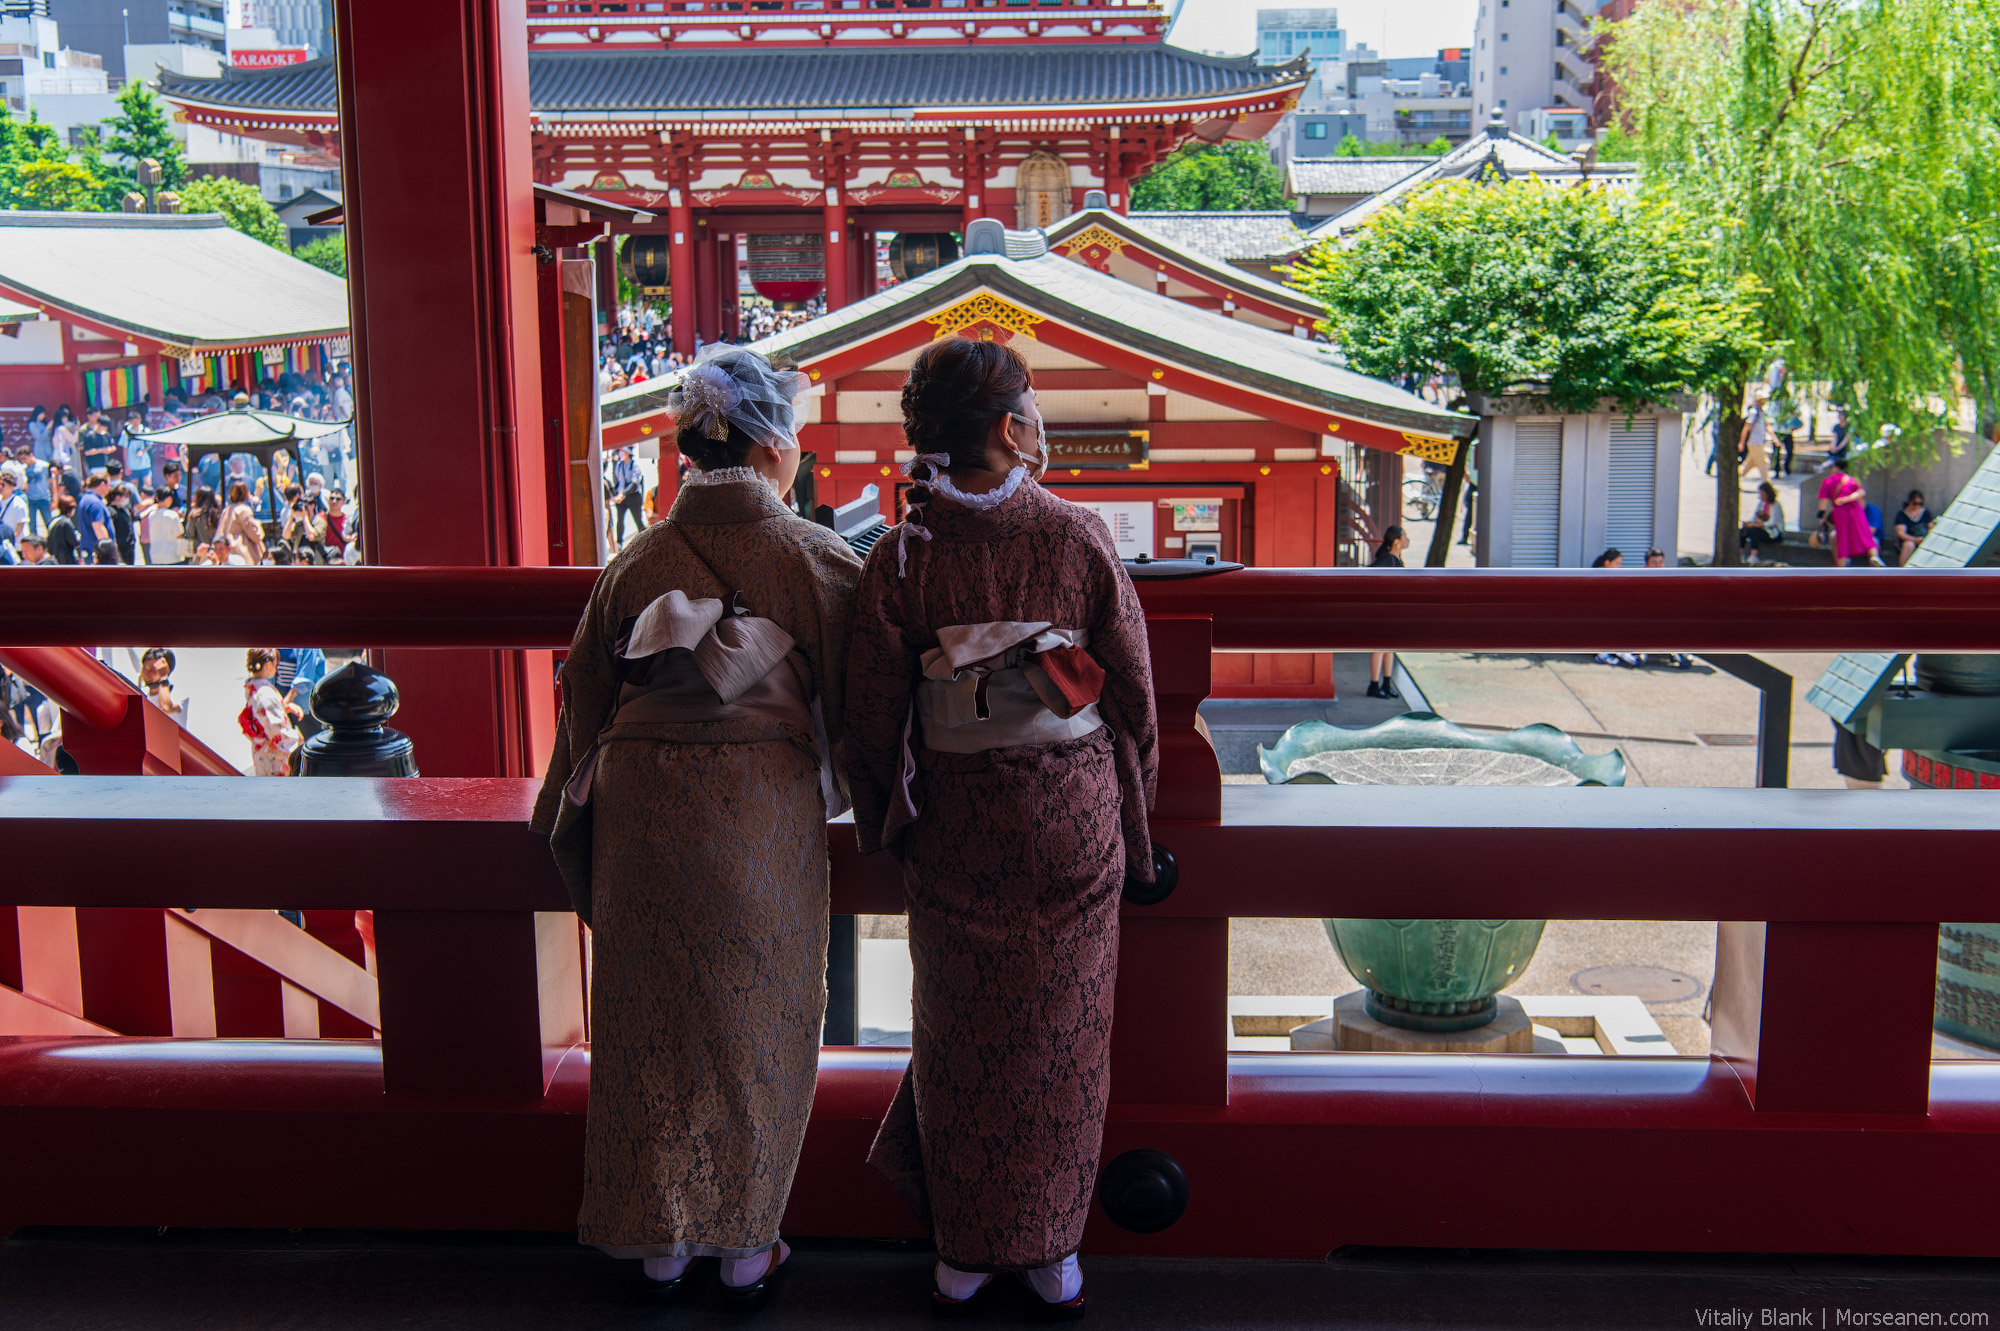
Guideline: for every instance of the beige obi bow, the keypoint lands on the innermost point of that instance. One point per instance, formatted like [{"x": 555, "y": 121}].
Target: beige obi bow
[{"x": 694, "y": 661}]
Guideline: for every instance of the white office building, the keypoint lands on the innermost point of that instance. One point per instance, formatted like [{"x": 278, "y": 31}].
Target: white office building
[{"x": 1532, "y": 55}]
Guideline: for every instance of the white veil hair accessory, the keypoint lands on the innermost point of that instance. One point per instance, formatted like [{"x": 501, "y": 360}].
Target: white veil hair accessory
[{"x": 736, "y": 386}]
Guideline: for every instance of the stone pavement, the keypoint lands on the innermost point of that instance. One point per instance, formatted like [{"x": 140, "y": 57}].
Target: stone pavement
[{"x": 190, "y": 1280}]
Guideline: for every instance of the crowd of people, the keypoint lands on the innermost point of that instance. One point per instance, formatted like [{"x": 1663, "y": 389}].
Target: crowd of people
[
  {"x": 104, "y": 488},
  {"x": 640, "y": 347}
]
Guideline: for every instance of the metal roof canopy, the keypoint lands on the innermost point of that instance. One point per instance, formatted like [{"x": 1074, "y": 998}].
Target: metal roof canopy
[
  {"x": 589, "y": 204},
  {"x": 183, "y": 281},
  {"x": 244, "y": 427}
]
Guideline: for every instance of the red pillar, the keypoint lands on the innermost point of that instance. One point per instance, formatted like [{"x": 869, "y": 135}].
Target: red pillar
[
  {"x": 680, "y": 269},
  {"x": 441, "y": 281},
  {"x": 729, "y": 279},
  {"x": 707, "y": 293},
  {"x": 838, "y": 247}
]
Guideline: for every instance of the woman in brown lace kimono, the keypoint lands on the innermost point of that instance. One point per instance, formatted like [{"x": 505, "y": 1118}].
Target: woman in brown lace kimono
[
  {"x": 1000, "y": 742},
  {"x": 688, "y": 796}
]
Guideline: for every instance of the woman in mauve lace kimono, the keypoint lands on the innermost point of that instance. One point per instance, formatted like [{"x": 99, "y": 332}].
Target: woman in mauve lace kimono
[
  {"x": 1000, "y": 742},
  {"x": 687, "y": 797}
]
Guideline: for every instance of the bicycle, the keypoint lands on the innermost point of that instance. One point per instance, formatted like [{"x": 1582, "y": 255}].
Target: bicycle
[{"x": 1423, "y": 493}]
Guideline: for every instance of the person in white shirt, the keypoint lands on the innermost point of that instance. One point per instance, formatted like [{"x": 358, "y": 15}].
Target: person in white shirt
[
  {"x": 163, "y": 528},
  {"x": 13, "y": 511}
]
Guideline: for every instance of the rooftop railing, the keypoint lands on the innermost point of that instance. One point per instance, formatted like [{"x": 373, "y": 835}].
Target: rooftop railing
[{"x": 1820, "y": 1125}]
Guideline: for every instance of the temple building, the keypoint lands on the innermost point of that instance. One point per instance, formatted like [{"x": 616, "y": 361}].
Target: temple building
[
  {"x": 787, "y": 138},
  {"x": 1193, "y": 431}
]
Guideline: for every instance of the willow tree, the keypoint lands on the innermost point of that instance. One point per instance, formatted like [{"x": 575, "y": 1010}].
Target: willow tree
[
  {"x": 1576, "y": 295},
  {"x": 1848, "y": 154}
]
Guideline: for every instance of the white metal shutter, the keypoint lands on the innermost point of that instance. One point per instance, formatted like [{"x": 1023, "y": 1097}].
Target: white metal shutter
[
  {"x": 1628, "y": 508},
  {"x": 1537, "y": 518}
]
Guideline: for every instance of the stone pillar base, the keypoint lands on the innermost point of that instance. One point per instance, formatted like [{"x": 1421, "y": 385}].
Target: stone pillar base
[{"x": 1351, "y": 1030}]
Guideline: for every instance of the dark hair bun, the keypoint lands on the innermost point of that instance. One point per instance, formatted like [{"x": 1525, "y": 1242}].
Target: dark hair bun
[
  {"x": 714, "y": 454},
  {"x": 956, "y": 390}
]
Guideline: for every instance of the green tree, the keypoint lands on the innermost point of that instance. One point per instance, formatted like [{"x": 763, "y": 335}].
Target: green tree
[
  {"x": 1350, "y": 147},
  {"x": 55, "y": 186},
  {"x": 1223, "y": 177},
  {"x": 1574, "y": 294},
  {"x": 240, "y": 204},
  {"x": 328, "y": 252},
  {"x": 1848, "y": 154},
  {"x": 139, "y": 130}
]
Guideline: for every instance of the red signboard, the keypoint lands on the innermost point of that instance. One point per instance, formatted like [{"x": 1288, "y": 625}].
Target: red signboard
[{"x": 268, "y": 57}]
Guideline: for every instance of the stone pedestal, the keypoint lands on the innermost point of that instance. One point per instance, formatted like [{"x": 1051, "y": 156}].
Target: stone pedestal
[{"x": 1351, "y": 1030}]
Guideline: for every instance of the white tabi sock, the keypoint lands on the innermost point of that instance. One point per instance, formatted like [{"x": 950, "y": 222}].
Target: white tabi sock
[
  {"x": 1058, "y": 1282},
  {"x": 665, "y": 1268},
  {"x": 956, "y": 1284},
  {"x": 741, "y": 1271}
]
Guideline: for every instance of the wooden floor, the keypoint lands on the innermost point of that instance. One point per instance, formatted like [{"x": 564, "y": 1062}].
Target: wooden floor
[{"x": 92, "y": 1280}]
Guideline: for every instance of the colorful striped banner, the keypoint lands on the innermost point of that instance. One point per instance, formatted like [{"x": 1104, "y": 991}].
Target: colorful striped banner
[{"x": 120, "y": 386}]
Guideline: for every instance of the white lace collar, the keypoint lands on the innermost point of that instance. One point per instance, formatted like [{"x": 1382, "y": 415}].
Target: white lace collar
[
  {"x": 725, "y": 476},
  {"x": 990, "y": 500}
]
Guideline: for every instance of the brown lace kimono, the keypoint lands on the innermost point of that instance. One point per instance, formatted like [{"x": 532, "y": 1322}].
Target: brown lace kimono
[
  {"x": 1012, "y": 873},
  {"x": 700, "y": 863}
]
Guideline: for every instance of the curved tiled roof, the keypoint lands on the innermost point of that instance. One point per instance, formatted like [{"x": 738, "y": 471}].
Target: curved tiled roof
[
  {"x": 1237, "y": 235},
  {"x": 870, "y": 78},
  {"x": 1349, "y": 175}
]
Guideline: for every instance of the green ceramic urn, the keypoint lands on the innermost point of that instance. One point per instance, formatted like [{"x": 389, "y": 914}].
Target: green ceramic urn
[{"x": 1434, "y": 975}]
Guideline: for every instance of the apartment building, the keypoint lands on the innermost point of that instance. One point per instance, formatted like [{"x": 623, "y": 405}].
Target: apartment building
[{"x": 1532, "y": 55}]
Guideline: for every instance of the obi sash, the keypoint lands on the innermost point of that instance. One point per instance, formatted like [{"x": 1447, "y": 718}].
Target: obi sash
[
  {"x": 681, "y": 662},
  {"x": 993, "y": 686}
]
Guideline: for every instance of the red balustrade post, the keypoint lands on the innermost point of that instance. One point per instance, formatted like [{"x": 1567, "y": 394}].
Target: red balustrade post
[
  {"x": 477, "y": 1002},
  {"x": 38, "y": 955},
  {"x": 1169, "y": 1029},
  {"x": 144, "y": 972},
  {"x": 1827, "y": 1018}
]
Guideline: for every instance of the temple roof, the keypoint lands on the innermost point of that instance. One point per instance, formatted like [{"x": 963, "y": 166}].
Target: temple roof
[
  {"x": 1169, "y": 331},
  {"x": 1246, "y": 235},
  {"x": 1178, "y": 237},
  {"x": 1499, "y": 150},
  {"x": 874, "y": 79},
  {"x": 1349, "y": 175},
  {"x": 188, "y": 281}
]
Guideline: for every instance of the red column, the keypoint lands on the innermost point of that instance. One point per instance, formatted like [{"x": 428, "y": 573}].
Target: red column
[
  {"x": 729, "y": 278},
  {"x": 838, "y": 246},
  {"x": 680, "y": 269},
  {"x": 441, "y": 279},
  {"x": 707, "y": 296}
]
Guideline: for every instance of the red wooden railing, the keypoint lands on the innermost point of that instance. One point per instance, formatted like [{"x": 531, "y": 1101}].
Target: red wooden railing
[{"x": 1821, "y": 1124}]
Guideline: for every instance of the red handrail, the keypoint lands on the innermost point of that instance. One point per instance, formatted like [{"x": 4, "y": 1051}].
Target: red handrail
[
  {"x": 99, "y": 696},
  {"x": 1251, "y": 610}
]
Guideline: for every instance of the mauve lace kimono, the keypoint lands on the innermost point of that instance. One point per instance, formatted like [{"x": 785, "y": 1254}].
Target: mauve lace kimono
[
  {"x": 1012, "y": 873},
  {"x": 700, "y": 863}
]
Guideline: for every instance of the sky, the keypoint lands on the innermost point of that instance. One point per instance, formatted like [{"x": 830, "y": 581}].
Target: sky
[{"x": 1392, "y": 27}]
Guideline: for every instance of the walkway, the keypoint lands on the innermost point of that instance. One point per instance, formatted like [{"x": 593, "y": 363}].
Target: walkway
[{"x": 206, "y": 1281}]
